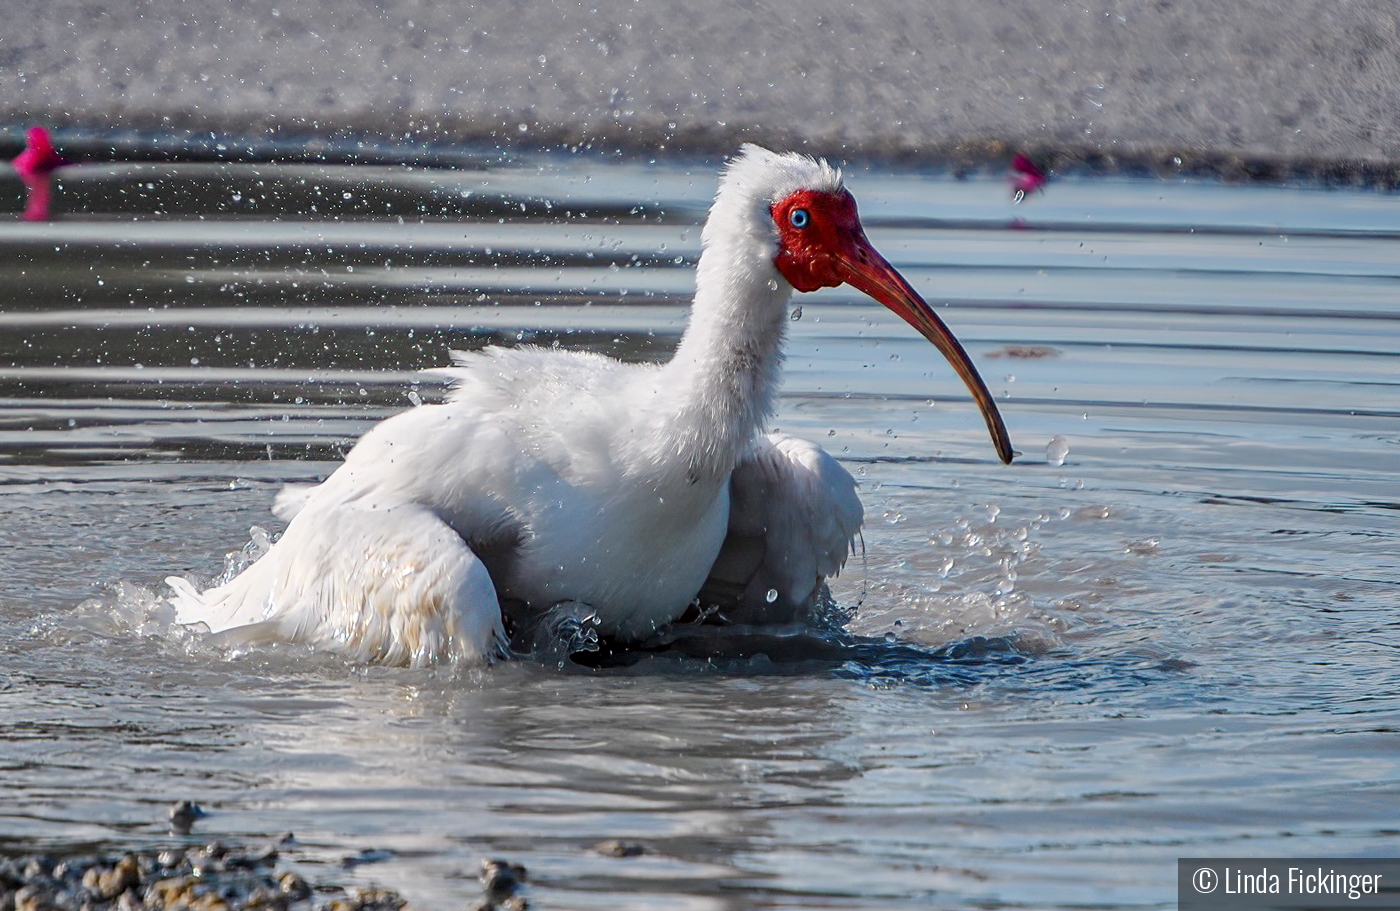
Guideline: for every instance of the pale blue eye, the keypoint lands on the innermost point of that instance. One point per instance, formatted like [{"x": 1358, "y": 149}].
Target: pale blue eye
[{"x": 799, "y": 218}]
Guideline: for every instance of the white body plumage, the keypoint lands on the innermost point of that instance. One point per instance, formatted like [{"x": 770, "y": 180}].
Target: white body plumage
[{"x": 553, "y": 477}]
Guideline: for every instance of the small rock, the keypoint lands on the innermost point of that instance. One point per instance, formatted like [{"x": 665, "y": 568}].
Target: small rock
[
  {"x": 209, "y": 901},
  {"x": 294, "y": 887},
  {"x": 501, "y": 877},
  {"x": 38, "y": 866},
  {"x": 367, "y": 856},
  {"x": 65, "y": 869},
  {"x": 252, "y": 860},
  {"x": 378, "y": 900},
  {"x": 615, "y": 848},
  {"x": 264, "y": 898},
  {"x": 109, "y": 883},
  {"x": 511, "y": 903},
  {"x": 183, "y": 816},
  {"x": 167, "y": 893},
  {"x": 33, "y": 898}
]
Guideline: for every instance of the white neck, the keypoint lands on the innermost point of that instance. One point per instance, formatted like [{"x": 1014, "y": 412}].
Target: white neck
[{"x": 719, "y": 390}]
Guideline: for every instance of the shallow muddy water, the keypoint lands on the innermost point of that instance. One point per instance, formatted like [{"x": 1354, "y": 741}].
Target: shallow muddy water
[{"x": 1181, "y": 641}]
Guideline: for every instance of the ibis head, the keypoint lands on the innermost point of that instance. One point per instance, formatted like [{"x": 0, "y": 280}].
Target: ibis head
[{"x": 821, "y": 244}]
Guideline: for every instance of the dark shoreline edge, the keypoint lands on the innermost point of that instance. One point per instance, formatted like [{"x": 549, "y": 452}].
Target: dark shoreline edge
[{"x": 960, "y": 157}]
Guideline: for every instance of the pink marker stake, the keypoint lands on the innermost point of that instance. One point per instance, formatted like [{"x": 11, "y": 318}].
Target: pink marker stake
[
  {"x": 35, "y": 166},
  {"x": 1028, "y": 177}
]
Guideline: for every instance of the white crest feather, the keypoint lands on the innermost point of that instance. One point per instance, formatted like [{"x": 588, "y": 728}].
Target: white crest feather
[{"x": 775, "y": 175}]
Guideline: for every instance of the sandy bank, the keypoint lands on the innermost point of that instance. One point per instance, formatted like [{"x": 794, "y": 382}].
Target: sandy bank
[{"x": 1308, "y": 84}]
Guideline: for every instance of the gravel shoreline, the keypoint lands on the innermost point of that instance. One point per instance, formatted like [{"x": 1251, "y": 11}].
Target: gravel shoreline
[
  {"x": 210, "y": 877},
  {"x": 1283, "y": 89},
  {"x": 218, "y": 876}
]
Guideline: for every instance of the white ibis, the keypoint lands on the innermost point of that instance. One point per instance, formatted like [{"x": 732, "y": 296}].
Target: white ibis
[
  {"x": 35, "y": 166},
  {"x": 555, "y": 481}
]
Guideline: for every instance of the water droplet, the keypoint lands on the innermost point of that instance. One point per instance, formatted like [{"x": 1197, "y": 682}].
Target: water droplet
[
  {"x": 415, "y": 398},
  {"x": 796, "y": 314},
  {"x": 772, "y": 284},
  {"x": 1056, "y": 450},
  {"x": 771, "y": 596}
]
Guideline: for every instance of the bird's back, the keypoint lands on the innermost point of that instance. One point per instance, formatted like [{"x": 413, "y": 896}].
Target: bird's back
[{"x": 570, "y": 398}]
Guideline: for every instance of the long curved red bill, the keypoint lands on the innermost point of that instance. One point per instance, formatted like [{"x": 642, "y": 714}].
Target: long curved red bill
[{"x": 866, "y": 270}]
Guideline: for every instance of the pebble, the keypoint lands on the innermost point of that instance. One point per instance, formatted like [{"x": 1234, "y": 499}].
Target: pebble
[
  {"x": 616, "y": 848},
  {"x": 183, "y": 816},
  {"x": 294, "y": 887},
  {"x": 212, "y": 877},
  {"x": 503, "y": 880},
  {"x": 367, "y": 856},
  {"x": 111, "y": 882}
]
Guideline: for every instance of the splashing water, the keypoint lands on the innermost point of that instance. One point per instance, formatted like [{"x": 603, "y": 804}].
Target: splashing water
[{"x": 1070, "y": 674}]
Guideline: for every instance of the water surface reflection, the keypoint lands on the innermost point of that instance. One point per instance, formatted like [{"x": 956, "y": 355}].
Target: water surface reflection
[{"x": 1179, "y": 641}]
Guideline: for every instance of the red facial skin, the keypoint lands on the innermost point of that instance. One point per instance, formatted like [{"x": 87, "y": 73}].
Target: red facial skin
[
  {"x": 807, "y": 257},
  {"x": 828, "y": 248},
  {"x": 35, "y": 165}
]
